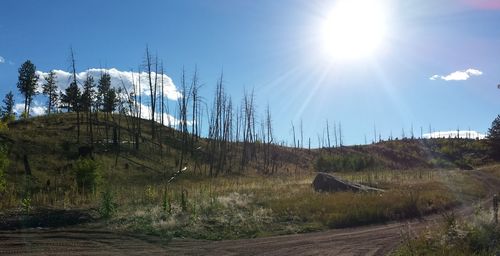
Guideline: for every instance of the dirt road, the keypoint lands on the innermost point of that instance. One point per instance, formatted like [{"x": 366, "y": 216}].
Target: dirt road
[{"x": 368, "y": 240}]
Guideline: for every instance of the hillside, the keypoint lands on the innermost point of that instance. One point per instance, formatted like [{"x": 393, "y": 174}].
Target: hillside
[
  {"x": 50, "y": 143},
  {"x": 131, "y": 186}
]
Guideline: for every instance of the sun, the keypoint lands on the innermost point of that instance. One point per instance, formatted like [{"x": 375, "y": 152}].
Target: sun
[{"x": 354, "y": 29}]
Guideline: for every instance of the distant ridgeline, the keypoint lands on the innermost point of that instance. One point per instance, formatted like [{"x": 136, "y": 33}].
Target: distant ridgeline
[{"x": 447, "y": 152}]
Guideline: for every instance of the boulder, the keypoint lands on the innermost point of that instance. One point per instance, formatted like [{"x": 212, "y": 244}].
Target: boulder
[{"x": 325, "y": 182}]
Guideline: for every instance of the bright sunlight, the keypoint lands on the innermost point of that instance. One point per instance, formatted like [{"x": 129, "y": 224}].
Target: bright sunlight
[{"x": 354, "y": 29}]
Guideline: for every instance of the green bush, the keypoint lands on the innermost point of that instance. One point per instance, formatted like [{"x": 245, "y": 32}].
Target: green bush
[
  {"x": 88, "y": 174},
  {"x": 108, "y": 206},
  {"x": 8, "y": 118}
]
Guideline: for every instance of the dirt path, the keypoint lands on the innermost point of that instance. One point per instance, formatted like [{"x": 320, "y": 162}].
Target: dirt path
[{"x": 368, "y": 240}]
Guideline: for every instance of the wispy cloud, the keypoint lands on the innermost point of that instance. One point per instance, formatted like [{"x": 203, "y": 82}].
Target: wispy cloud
[
  {"x": 119, "y": 79},
  {"x": 453, "y": 134},
  {"x": 2, "y": 60},
  {"x": 460, "y": 75}
]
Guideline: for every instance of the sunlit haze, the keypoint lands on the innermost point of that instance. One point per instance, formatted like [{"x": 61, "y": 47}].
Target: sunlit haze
[{"x": 355, "y": 29}]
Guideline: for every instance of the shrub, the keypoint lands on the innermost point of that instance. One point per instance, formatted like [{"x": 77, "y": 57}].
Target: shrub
[
  {"x": 24, "y": 115},
  {"x": 476, "y": 237},
  {"x": 26, "y": 204},
  {"x": 8, "y": 118},
  {"x": 108, "y": 206},
  {"x": 88, "y": 174},
  {"x": 3, "y": 126}
]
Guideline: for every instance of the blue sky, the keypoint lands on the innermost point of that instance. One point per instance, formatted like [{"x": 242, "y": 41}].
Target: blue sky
[{"x": 273, "y": 46}]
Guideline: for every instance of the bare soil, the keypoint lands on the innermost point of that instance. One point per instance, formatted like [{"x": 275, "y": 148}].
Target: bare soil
[{"x": 368, "y": 240}]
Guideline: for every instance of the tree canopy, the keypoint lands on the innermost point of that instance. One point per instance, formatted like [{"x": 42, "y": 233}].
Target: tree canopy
[
  {"x": 27, "y": 84},
  {"x": 494, "y": 138},
  {"x": 71, "y": 97},
  {"x": 7, "y": 111}
]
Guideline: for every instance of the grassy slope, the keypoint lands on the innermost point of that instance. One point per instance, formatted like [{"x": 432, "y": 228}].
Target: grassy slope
[{"x": 238, "y": 204}]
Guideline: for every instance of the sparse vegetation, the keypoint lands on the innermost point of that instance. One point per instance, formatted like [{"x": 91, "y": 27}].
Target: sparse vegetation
[
  {"x": 455, "y": 237},
  {"x": 87, "y": 174},
  {"x": 347, "y": 162},
  {"x": 4, "y": 162},
  {"x": 108, "y": 207}
]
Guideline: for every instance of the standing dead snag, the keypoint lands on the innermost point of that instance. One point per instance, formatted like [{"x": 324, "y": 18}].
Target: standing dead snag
[
  {"x": 328, "y": 133},
  {"x": 267, "y": 144},
  {"x": 195, "y": 108},
  {"x": 152, "y": 82},
  {"x": 183, "y": 108},
  {"x": 248, "y": 128}
]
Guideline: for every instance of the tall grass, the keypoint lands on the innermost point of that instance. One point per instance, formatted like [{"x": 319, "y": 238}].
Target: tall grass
[
  {"x": 248, "y": 206},
  {"x": 478, "y": 236},
  {"x": 241, "y": 206}
]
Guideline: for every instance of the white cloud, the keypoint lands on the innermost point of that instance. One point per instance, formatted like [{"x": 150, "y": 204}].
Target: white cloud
[
  {"x": 460, "y": 75},
  {"x": 2, "y": 60},
  {"x": 453, "y": 134},
  {"x": 119, "y": 79},
  {"x": 36, "y": 110}
]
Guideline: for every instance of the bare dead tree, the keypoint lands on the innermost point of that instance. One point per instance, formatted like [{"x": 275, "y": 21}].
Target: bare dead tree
[
  {"x": 268, "y": 155},
  {"x": 328, "y": 133},
  {"x": 195, "y": 105},
  {"x": 152, "y": 82},
  {"x": 162, "y": 95},
  {"x": 75, "y": 81},
  {"x": 248, "y": 128},
  {"x": 301, "y": 135},
  {"x": 340, "y": 135},
  {"x": 335, "y": 134},
  {"x": 183, "y": 109}
]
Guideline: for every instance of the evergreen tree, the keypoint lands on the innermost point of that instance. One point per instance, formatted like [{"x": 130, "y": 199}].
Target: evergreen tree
[
  {"x": 8, "y": 108},
  {"x": 103, "y": 87},
  {"x": 50, "y": 90},
  {"x": 71, "y": 98},
  {"x": 27, "y": 83},
  {"x": 494, "y": 138},
  {"x": 88, "y": 95},
  {"x": 110, "y": 101},
  {"x": 87, "y": 103}
]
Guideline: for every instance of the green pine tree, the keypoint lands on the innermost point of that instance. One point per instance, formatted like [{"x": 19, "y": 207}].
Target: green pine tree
[
  {"x": 494, "y": 138},
  {"x": 50, "y": 90},
  {"x": 71, "y": 98},
  {"x": 27, "y": 84},
  {"x": 8, "y": 108}
]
